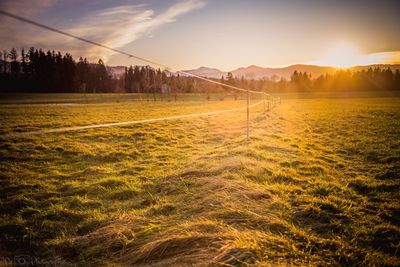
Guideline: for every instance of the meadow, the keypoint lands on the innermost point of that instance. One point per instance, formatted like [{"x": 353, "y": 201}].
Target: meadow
[{"x": 317, "y": 184}]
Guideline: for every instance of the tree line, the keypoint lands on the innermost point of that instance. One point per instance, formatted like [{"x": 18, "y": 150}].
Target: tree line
[
  {"x": 52, "y": 72},
  {"x": 48, "y": 72},
  {"x": 373, "y": 79}
]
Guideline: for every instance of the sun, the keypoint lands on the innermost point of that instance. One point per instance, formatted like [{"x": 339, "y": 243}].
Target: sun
[{"x": 343, "y": 55}]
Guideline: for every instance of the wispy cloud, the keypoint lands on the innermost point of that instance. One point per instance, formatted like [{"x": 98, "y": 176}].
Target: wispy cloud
[
  {"x": 115, "y": 27},
  {"x": 119, "y": 26}
]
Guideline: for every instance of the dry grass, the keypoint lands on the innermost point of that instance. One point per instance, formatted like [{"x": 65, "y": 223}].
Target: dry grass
[{"x": 318, "y": 184}]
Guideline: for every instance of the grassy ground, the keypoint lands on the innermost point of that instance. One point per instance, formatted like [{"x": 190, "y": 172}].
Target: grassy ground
[
  {"x": 317, "y": 184},
  {"x": 67, "y": 99}
]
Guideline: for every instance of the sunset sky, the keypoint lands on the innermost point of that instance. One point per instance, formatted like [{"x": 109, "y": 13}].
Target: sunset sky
[{"x": 225, "y": 34}]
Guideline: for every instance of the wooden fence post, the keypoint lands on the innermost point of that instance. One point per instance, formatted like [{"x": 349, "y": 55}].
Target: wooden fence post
[{"x": 248, "y": 113}]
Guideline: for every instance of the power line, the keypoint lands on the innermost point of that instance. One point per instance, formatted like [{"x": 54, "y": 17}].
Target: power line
[
  {"x": 40, "y": 25},
  {"x": 5, "y": 13}
]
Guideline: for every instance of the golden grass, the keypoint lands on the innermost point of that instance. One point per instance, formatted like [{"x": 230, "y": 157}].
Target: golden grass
[{"x": 317, "y": 184}]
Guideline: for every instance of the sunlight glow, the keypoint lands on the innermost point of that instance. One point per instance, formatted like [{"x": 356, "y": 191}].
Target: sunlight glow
[{"x": 345, "y": 55}]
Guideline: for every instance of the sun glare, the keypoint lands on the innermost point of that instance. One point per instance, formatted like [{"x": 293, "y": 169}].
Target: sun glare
[
  {"x": 342, "y": 55},
  {"x": 345, "y": 55}
]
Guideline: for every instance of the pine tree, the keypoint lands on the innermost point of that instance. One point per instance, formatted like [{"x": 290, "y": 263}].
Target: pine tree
[
  {"x": 5, "y": 56},
  {"x": 102, "y": 77},
  {"x": 15, "y": 65}
]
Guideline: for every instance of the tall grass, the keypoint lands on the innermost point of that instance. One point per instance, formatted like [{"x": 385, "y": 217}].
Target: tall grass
[{"x": 317, "y": 184}]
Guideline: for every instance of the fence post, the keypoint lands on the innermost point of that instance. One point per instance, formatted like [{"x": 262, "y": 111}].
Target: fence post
[{"x": 248, "y": 113}]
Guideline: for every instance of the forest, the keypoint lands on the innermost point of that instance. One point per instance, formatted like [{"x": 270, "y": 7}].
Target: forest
[{"x": 37, "y": 71}]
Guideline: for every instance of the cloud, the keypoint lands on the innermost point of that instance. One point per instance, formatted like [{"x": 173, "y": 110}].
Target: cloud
[
  {"x": 394, "y": 57},
  {"x": 115, "y": 27},
  {"x": 179, "y": 9},
  {"x": 119, "y": 26}
]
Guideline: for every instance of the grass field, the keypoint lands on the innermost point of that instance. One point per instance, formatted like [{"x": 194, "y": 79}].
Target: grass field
[{"x": 319, "y": 183}]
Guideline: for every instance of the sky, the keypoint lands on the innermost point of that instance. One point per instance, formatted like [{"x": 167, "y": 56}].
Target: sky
[{"x": 225, "y": 34}]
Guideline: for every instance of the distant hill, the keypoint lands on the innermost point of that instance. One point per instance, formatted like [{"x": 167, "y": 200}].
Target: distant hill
[
  {"x": 260, "y": 72},
  {"x": 393, "y": 67},
  {"x": 256, "y": 72},
  {"x": 207, "y": 72},
  {"x": 251, "y": 72}
]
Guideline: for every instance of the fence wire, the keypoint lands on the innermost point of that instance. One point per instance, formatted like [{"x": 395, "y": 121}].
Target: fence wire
[{"x": 267, "y": 99}]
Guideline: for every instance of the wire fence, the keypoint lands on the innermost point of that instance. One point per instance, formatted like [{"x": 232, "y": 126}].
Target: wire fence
[
  {"x": 94, "y": 126},
  {"x": 268, "y": 101}
]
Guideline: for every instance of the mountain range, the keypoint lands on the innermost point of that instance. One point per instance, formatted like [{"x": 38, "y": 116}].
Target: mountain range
[{"x": 256, "y": 72}]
